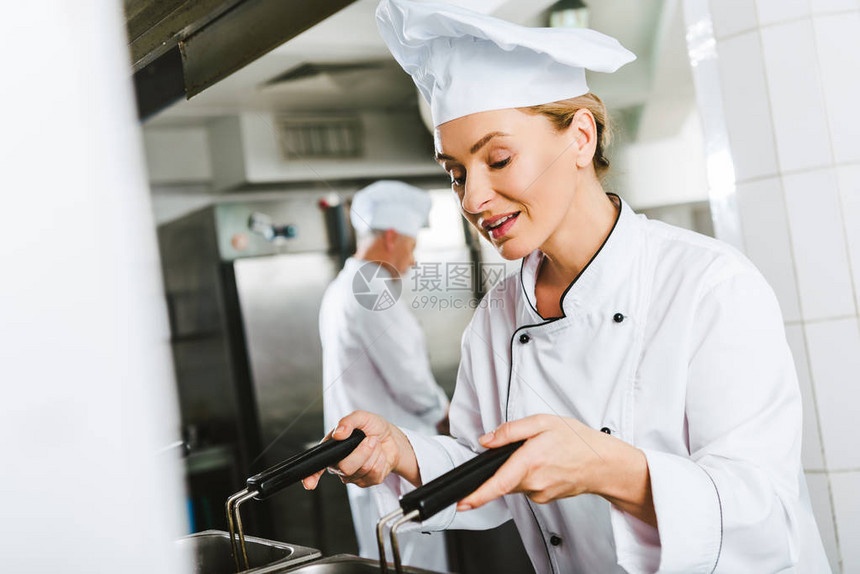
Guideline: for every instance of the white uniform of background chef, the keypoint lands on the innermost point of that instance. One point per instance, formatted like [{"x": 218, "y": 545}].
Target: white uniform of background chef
[
  {"x": 670, "y": 343},
  {"x": 376, "y": 360}
]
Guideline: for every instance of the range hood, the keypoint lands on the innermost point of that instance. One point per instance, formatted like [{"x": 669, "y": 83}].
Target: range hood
[
  {"x": 253, "y": 149},
  {"x": 181, "y": 47}
]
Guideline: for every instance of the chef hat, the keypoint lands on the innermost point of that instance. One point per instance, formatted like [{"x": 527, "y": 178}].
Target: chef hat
[
  {"x": 464, "y": 62},
  {"x": 390, "y": 204}
]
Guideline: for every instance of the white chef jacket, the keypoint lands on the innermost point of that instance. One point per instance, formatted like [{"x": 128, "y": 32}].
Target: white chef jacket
[
  {"x": 674, "y": 343},
  {"x": 377, "y": 361}
]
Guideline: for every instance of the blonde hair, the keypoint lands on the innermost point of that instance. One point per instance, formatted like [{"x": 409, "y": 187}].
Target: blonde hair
[{"x": 561, "y": 114}]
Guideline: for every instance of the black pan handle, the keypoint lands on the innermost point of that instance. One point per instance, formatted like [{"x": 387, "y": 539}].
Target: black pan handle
[
  {"x": 456, "y": 484},
  {"x": 274, "y": 479}
]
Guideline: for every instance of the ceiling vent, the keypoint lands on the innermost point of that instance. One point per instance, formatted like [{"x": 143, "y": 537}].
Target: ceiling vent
[
  {"x": 312, "y": 69},
  {"x": 320, "y": 138}
]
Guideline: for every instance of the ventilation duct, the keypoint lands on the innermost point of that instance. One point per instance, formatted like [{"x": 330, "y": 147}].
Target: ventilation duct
[{"x": 181, "y": 47}]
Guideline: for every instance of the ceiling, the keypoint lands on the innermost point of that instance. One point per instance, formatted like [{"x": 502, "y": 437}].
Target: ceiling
[{"x": 652, "y": 29}]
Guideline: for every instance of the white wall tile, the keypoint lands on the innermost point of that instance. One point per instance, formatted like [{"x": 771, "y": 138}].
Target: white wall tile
[
  {"x": 761, "y": 207},
  {"x": 834, "y": 359},
  {"x": 819, "y": 495},
  {"x": 846, "y": 502},
  {"x": 732, "y": 16},
  {"x": 838, "y": 40},
  {"x": 800, "y": 121},
  {"x": 849, "y": 192},
  {"x": 746, "y": 107},
  {"x": 811, "y": 445},
  {"x": 829, "y": 6},
  {"x": 774, "y": 11},
  {"x": 818, "y": 238}
]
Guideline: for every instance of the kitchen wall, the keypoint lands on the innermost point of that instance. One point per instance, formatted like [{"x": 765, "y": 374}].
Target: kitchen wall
[
  {"x": 659, "y": 171},
  {"x": 778, "y": 85}
]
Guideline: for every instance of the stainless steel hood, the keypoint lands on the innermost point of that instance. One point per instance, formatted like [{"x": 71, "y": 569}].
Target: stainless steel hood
[{"x": 181, "y": 47}]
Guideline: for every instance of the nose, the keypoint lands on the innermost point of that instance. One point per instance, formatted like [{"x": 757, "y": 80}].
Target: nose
[{"x": 476, "y": 194}]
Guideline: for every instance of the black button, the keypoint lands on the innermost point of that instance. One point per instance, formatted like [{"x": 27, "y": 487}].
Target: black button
[
  {"x": 524, "y": 338},
  {"x": 618, "y": 317},
  {"x": 606, "y": 430},
  {"x": 555, "y": 540}
]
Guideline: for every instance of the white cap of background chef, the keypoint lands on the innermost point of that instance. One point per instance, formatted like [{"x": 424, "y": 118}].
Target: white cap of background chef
[
  {"x": 464, "y": 62},
  {"x": 390, "y": 204}
]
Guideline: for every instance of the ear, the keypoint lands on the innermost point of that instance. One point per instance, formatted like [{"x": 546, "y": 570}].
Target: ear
[
  {"x": 390, "y": 237},
  {"x": 583, "y": 131}
]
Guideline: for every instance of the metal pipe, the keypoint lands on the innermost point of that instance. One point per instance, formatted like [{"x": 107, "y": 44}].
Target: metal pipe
[
  {"x": 230, "y": 502},
  {"x": 380, "y": 537},
  {"x": 246, "y": 497},
  {"x": 395, "y": 544}
]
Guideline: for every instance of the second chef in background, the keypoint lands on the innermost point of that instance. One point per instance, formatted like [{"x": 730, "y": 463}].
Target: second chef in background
[{"x": 374, "y": 352}]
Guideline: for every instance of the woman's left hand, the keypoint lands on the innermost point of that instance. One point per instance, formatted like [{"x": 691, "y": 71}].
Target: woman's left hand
[{"x": 562, "y": 457}]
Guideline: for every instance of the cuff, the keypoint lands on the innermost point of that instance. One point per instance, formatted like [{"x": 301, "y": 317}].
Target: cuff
[
  {"x": 637, "y": 544},
  {"x": 689, "y": 515},
  {"x": 433, "y": 461}
]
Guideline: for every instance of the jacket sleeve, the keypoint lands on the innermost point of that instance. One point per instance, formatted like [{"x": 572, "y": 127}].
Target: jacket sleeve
[
  {"x": 437, "y": 455},
  {"x": 730, "y": 505},
  {"x": 393, "y": 341}
]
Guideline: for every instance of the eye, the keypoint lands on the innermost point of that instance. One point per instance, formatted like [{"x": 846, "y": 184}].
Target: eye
[
  {"x": 500, "y": 164},
  {"x": 458, "y": 178}
]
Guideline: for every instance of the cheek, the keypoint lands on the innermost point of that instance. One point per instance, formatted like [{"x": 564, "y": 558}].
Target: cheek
[
  {"x": 520, "y": 178},
  {"x": 527, "y": 181},
  {"x": 544, "y": 184}
]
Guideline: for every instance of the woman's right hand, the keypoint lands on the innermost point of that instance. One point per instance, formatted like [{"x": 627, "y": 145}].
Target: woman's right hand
[{"x": 384, "y": 450}]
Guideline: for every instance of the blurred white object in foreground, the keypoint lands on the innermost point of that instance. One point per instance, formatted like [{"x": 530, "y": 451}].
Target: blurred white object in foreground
[{"x": 87, "y": 393}]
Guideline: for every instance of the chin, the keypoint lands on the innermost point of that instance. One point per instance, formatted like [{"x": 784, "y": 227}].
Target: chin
[{"x": 512, "y": 249}]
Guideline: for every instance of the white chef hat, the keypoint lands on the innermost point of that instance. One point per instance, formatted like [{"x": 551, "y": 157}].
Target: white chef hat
[
  {"x": 390, "y": 204},
  {"x": 464, "y": 62}
]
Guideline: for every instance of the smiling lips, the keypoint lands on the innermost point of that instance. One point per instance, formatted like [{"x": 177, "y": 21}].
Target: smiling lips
[{"x": 499, "y": 226}]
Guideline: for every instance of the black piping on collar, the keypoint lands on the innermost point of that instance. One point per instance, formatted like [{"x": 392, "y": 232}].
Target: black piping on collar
[
  {"x": 552, "y": 319},
  {"x": 578, "y": 275}
]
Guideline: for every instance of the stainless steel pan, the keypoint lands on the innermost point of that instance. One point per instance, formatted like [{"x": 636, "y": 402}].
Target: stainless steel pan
[
  {"x": 273, "y": 480},
  {"x": 211, "y": 553},
  {"x": 348, "y": 564}
]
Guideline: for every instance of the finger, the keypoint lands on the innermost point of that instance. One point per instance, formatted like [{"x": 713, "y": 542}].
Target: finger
[
  {"x": 369, "y": 423},
  {"x": 505, "y": 481},
  {"x": 365, "y": 450},
  {"x": 515, "y": 430},
  {"x": 369, "y": 465},
  {"x": 312, "y": 481},
  {"x": 368, "y": 474}
]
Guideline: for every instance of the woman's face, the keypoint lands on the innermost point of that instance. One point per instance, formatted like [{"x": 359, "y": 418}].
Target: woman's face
[{"x": 515, "y": 175}]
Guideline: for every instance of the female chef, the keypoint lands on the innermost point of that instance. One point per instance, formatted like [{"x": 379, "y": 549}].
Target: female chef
[{"x": 646, "y": 366}]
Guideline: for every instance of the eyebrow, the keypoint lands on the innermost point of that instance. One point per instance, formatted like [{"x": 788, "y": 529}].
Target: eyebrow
[{"x": 475, "y": 148}]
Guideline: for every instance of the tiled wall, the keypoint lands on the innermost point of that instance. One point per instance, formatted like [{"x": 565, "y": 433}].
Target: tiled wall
[{"x": 789, "y": 81}]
